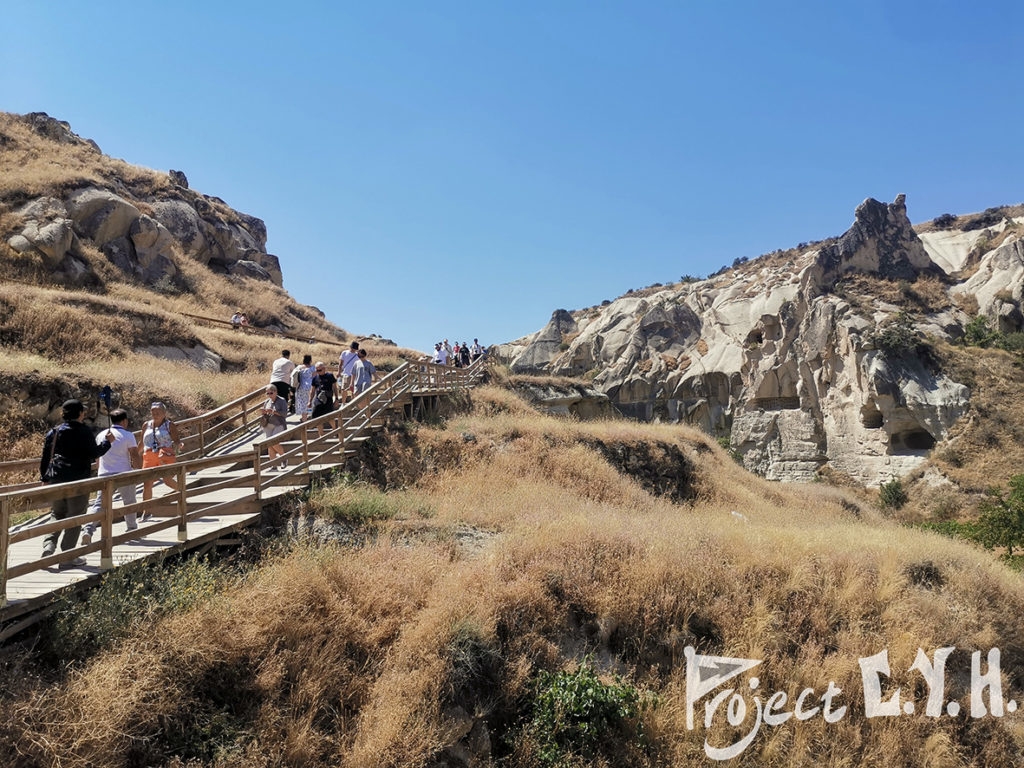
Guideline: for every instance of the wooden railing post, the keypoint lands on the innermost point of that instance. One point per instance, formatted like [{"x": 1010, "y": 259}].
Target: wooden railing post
[
  {"x": 202, "y": 436},
  {"x": 5, "y": 528},
  {"x": 305, "y": 449},
  {"x": 107, "y": 527},
  {"x": 256, "y": 451},
  {"x": 182, "y": 507}
]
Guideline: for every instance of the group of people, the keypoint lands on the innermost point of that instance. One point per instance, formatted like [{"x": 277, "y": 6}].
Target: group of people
[
  {"x": 308, "y": 390},
  {"x": 312, "y": 390},
  {"x": 461, "y": 355},
  {"x": 69, "y": 450},
  {"x": 239, "y": 319}
]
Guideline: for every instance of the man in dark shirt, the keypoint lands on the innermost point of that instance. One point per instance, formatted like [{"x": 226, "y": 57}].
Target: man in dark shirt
[{"x": 68, "y": 453}]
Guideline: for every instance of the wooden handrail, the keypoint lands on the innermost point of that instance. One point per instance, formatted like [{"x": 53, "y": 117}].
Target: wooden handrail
[
  {"x": 204, "y": 433},
  {"x": 347, "y": 423},
  {"x": 264, "y": 331}
]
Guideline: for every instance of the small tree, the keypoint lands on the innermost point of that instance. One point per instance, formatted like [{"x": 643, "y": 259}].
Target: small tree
[
  {"x": 1002, "y": 517},
  {"x": 892, "y": 495}
]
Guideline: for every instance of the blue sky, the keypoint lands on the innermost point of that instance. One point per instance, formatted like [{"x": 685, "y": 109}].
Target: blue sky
[{"x": 461, "y": 169}]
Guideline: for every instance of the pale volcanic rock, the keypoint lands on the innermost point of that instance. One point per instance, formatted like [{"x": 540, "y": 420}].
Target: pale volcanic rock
[{"x": 782, "y": 363}]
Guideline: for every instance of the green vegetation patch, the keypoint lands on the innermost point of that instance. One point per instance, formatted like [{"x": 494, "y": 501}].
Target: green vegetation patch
[
  {"x": 576, "y": 717},
  {"x": 359, "y": 502},
  {"x": 127, "y": 598}
]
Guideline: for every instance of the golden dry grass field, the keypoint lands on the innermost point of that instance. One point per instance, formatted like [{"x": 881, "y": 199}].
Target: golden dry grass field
[{"x": 504, "y": 543}]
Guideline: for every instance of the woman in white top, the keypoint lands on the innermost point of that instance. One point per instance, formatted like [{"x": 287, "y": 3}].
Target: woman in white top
[{"x": 160, "y": 446}]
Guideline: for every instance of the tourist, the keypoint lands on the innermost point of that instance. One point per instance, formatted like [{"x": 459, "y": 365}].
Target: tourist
[
  {"x": 236, "y": 319},
  {"x": 123, "y": 456},
  {"x": 274, "y": 420},
  {"x": 363, "y": 373},
  {"x": 281, "y": 374},
  {"x": 325, "y": 392},
  {"x": 441, "y": 355},
  {"x": 447, "y": 351},
  {"x": 244, "y": 320},
  {"x": 476, "y": 350},
  {"x": 302, "y": 383},
  {"x": 346, "y": 363},
  {"x": 160, "y": 446},
  {"x": 456, "y": 355},
  {"x": 68, "y": 452},
  {"x": 464, "y": 355}
]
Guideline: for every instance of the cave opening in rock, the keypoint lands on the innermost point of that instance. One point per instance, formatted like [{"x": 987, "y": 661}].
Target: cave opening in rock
[
  {"x": 871, "y": 417},
  {"x": 912, "y": 440}
]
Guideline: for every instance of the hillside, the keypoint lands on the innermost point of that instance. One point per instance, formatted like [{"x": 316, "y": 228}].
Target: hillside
[
  {"x": 414, "y": 624},
  {"x": 854, "y": 359},
  {"x": 101, "y": 261}
]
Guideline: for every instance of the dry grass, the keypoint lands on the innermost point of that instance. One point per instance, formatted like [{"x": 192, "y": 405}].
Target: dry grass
[
  {"x": 926, "y": 294},
  {"x": 348, "y": 657},
  {"x": 985, "y": 447}
]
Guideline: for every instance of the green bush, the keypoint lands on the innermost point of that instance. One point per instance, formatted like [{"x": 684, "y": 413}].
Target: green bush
[
  {"x": 953, "y": 529},
  {"x": 892, "y": 495},
  {"x": 726, "y": 444},
  {"x": 577, "y": 716},
  {"x": 359, "y": 502},
  {"x": 1002, "y": 517},
  {"x": 126, "y": 598},
  {"x": 899, "y": 337},
  {"x": 978, "y": 333}
]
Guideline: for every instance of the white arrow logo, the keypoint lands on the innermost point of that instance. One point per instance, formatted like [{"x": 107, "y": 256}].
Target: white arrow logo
[{"x": 705, "y": 673}]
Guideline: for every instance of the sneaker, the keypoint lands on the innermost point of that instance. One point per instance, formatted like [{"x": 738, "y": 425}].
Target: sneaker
[
  {"x": 283, "y": 466},
  {"x": 86, "y": 539},
  {"x": 78, "y": 562},
  {"x": 48, "y": 552}
]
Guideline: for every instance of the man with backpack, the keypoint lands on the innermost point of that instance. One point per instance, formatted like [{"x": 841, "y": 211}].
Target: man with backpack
[{"x": 68, "y": 453}]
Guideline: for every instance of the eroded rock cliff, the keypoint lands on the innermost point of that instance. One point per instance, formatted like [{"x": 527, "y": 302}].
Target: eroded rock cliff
[{"x": 805, "y": 358}]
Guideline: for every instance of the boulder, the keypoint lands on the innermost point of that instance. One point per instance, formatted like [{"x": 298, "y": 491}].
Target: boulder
[
  {"x": 546, "y": 345},
  {"x": 178, "y": 178},
  {"x": 245, "y": 268},
  {"x": 184, "y": 224},
  {"x": 150, "y": 238},
  {"x": 269, "y": 263},
  {"x": 199, "y": 356},
  {"x": 100, "y": 215},
  {"x": 149, "y": 266},
  {"x": 46, "y": 230}
]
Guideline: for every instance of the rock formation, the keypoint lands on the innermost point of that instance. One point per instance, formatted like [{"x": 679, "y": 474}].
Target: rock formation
[
  {"x": 141, "y": 228},
  {"x": 785, "y": 359}
]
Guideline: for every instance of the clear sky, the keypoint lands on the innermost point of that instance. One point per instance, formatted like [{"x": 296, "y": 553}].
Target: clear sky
[{"x": 461, "y": 169}]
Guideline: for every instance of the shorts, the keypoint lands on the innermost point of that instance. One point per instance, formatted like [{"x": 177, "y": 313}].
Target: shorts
[
  {"x": 273, "y": 429},
  {"x": 346, "y": 382},
  {"x": 152, "y": 459}
]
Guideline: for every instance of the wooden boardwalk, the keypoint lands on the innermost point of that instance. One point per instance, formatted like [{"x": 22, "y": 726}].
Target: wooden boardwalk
[{"x": 224, "y": 482}]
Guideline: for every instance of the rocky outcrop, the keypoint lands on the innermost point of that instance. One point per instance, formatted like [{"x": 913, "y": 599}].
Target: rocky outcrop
[
  {"x": 142, "y": 229},
  {"x": 778, "y": 357},
  {"x": 545, "y": 345},
  {"x": 565, "y": 398},
  {"x": 998, "y": 286},
  {"x": 198, "y": 355}
]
